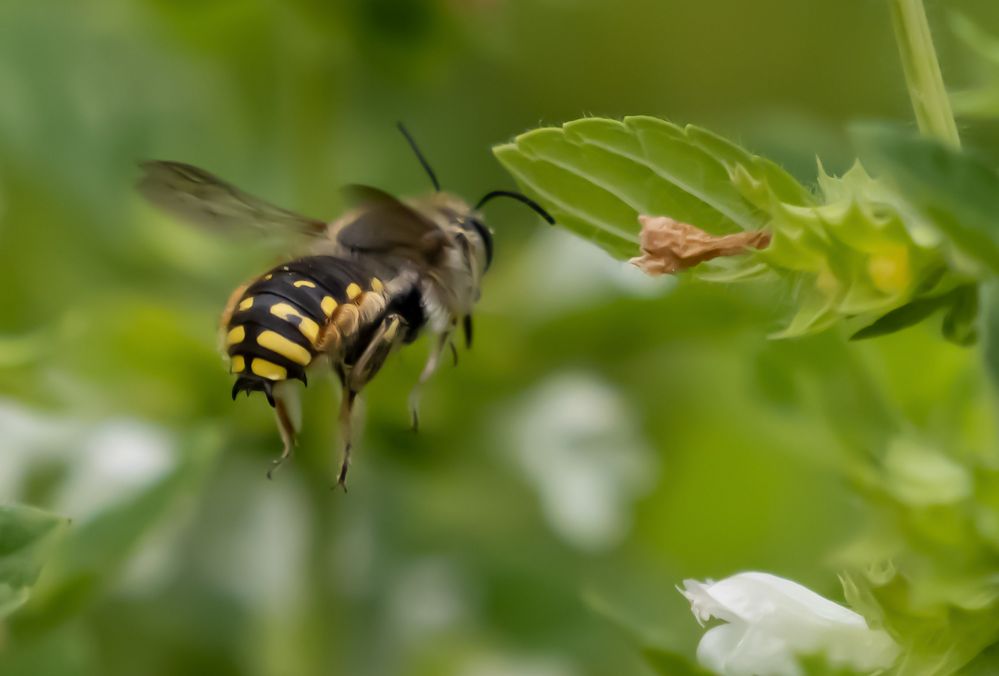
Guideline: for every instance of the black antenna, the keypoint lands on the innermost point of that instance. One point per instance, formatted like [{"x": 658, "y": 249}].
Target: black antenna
[
  {"x": 524, "y": 199},
  {"x": 419, "y": 156}
]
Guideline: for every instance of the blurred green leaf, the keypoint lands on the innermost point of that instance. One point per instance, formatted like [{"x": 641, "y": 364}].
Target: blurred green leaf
[
  {"x": 960, "y": 324},
  {"x": 817, "y": 665},
  {"x": 972, "y": 35},
  {"x": 17, "y": 351},
  {"x": 937, "y": 638},
  {"x": 990, "y": 330},
  {"x": 908, "y": 315},
  {"x": 597, "y": 175},
  {"x": 962, "y": 304},
  {"x": 668, "y": 663},
  {"x": 982, "y": 101},
  {"x": 92, "y": 555},
  {"x": 956, "y": 190},
  {"x": 986, "y": 664},
  {"x": 26, "y": 539},
  {"x": 661, "y": 659}
]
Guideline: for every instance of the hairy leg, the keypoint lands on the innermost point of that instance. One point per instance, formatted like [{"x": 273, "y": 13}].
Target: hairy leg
[
  {"x": 433, "y": 361},
  {"x": 388, "y": 336},
  {"x": 288, "y": 411}
]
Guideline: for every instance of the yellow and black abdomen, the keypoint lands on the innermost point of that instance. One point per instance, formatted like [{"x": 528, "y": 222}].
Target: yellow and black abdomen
[
  {"x": 275, "y": 328},
  {"x": 286, "y": 318}
]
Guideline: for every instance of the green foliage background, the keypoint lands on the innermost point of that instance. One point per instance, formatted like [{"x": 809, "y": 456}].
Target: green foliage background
[{"x": 446, "y": 557}]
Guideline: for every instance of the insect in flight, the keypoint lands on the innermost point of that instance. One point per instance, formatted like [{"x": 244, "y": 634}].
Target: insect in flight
[{"x": 366, "y": 284}]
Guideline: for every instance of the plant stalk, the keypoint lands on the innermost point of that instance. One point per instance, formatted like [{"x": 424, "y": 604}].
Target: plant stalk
[{"x": 922, "y": 72}]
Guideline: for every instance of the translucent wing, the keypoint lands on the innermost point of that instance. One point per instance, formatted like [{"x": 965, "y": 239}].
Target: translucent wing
[
  {"x": 385, "y": 226},
  {"x": 198, "y": 196}
]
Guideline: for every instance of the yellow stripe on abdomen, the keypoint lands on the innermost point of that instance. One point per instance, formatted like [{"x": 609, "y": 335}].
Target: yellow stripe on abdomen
[
  {"x": 235, "y": 335},
  {"x": 308, "y": 327},
  {"x": 269, "y": 370},
  {"x": 275, "y": 342}
]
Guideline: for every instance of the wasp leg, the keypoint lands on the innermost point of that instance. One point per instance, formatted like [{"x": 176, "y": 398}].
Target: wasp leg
[
  {"x": 346, "y": 408},
  {"x": 387, "y": 337},
  {"x": 443, "y": 340},
  {"x": 288, "y": 411}
]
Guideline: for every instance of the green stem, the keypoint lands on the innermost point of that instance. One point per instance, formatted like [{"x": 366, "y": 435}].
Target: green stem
[{"x": 922, "y": 72}]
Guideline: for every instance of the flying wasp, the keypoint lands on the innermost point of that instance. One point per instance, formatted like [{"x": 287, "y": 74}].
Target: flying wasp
[{"x": 366, "y": 284}]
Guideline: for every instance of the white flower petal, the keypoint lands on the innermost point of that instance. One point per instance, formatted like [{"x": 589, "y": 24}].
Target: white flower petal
[
  {"x": 717, "y": 645},
  {"x": 703, "y": 604},
  {"x": 740, "y": 650},
  {"x": 772, "y": 621},
  {"x": 755, "y": 596}
]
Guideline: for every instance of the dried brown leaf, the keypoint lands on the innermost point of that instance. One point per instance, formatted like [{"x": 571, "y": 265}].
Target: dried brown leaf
[{"x": 669, "y": 246}]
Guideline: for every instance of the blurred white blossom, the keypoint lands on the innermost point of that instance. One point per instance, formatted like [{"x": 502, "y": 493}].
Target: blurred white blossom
[
  {"x": 103, "y": 462},
  {"x": 769, "y": 622},
  {"x": 578, "y": 273},
  {"x": 114, "y": 461},
  {"x": 578, "y": 443},
  {"x": 428, "y": 596},
  {"x": 260, "y": 555}
]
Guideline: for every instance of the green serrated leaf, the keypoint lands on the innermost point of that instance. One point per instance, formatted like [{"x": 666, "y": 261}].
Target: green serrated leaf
[
  {"x": 26, "y": 537},
  {"x": 956, "y": 190},
  {"x": 597, "y": 175},
  {"x": 858, "y": 251},
  {"x": 604, "y": 219},
  {"x": 761, "y": 181}
]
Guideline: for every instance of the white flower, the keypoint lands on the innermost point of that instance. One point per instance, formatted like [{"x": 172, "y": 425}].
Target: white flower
[
  {"x": 577, "y": 441},
  {"x": 769, "y": 622}
]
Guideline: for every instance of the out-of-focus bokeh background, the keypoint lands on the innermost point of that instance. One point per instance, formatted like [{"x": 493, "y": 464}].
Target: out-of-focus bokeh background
[{"x": 608, "y": 436}]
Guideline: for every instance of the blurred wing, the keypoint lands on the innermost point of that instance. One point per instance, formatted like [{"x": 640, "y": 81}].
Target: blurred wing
[
  {"x": 385, "y": 226},
  {"x": 203, "y": 198}
]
